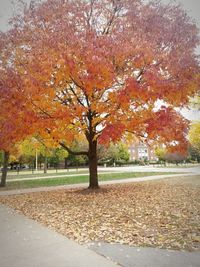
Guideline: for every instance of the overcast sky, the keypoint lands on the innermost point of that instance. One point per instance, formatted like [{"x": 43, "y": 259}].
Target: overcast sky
[{"x": 191, "y": 6}]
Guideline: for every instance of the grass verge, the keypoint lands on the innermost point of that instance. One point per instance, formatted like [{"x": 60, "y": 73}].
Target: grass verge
[
  {"x": 76, "y": 179},
  {"x": 35, "y": 175}
]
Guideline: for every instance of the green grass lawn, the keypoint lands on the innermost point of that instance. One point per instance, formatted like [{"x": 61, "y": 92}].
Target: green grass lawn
[
  {"x": 40, "y": 174},
  {"x": 76, "y": 179},
  {"x": 77, "y": 172}
]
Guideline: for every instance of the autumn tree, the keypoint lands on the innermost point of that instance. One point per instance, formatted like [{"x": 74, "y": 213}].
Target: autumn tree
[
  {"x": 160, "y": 153},
  {"x": 104, "y": 68},
  {"x": 34, "y": 149},
  {"x": 194, "y": 135},
  {"x": 44, "y": 149},
  {"x": 113, "y": 153},
  {"x": 58, "y": 154},
  {"x": 16, "y": 119},
  {"x": 194, "y": 154},
  {"x": 195, "y": 101},
  {"x": 175, "y": 157}
]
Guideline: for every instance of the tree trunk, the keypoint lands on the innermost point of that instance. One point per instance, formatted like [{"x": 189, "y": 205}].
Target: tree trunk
[
  {"x": 93, "y": 179},
  {"x": 5, "y": 168},
  {"x": 92, "y": 156}
]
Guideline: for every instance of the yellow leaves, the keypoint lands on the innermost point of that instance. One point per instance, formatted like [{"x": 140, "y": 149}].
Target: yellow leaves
[
  {"x": 12, "y": 158},
  {"x": 194, "y": 135},
  {"x": 30, "y": 145},
  {"x": 131, "y": 138},
  {"x": 160, "y": 153}
]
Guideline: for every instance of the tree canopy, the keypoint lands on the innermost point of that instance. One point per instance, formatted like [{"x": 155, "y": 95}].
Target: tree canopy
[{"x": 99, "y": 69}]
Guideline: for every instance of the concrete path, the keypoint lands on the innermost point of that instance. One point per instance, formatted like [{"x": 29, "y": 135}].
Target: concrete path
[
  {"x": 150, "y": 168},
  {"x": 146, "y": 257},
  {"x": 26, "y": 243},
  {"x": 84, "y": 185}
]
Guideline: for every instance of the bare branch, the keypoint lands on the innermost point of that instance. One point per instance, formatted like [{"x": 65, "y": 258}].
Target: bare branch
[
  {"x": 76, "y": 153},
  {"x": 110, "y": 22},
  {"x": 76, "y": 96},
  {"x": 90, "y": 12}
]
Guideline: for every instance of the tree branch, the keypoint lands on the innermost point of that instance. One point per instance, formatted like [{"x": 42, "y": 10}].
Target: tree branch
[
  {"x": 74, "y": 93},
  {"x": 90, "y": 12},
  {"x": 41, "y": 110},
  {"x": 76, "y": 153},
  {"x": 110, "y": 22}
]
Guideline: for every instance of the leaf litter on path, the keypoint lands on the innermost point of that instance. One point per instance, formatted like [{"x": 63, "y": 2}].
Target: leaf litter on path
[{"x": 157, "y": 214}]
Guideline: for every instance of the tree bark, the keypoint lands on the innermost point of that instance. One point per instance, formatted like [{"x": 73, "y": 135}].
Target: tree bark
[
  {"x": 93, "y": 179},
  {"x": 92, "y": 156},
  {"x": 5, "y": 169}
]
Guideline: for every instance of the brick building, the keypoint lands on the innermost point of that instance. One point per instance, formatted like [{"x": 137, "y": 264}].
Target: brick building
[{"x": 141, "y": 151}]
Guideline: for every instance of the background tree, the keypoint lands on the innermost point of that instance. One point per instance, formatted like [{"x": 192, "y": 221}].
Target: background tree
[
  {"x": 113, "y": 153},
  {"x": 1, "y": 158},
  {"x": 194, "y": 135},
  {"x": 57, "y": 155},
  {"x": 37, "y": 149},
  {"x": 81, "y": 80},
  {"x": 160, "y": 153},
  {"x": 195, "y": 102},
  {"x": 175, "y": 157},
  {"x": 16, "y": 119},
  {"x": 194, "y": 154},
  {"x": 30, "y": 150}
]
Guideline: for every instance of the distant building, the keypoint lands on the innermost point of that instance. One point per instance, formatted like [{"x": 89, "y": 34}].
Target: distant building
[{"x": 141, "y": 151}]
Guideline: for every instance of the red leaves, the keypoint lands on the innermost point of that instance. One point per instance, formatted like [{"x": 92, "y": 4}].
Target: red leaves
[
  {"x": 169, "y": 127},
  {"x": 112, "y": 132},
  {"x": 132, "y": 90},
  {"x": 16, "y": 119}
]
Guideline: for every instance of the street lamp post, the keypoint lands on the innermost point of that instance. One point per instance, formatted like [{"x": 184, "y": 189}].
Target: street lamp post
[{"x": 36, "y": 160}]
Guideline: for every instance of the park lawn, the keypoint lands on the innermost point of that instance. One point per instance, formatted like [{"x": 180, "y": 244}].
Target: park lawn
[
  {"x": 35, "y": 175},
  {"x": 41, "y": 174},
  {"x": 76, "y": 179},
  {"x": 163, "y": 213}
]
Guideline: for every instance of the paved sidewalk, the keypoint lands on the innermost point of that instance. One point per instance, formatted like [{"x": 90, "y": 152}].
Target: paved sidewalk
[
  {"x": 26, "y": 243},
  {"x": 84, "y": 185},
  {"x": 146, "y": 257}
]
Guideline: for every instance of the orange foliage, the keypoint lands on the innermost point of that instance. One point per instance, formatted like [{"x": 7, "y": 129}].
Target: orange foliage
[{"x": 99, "y": 68}]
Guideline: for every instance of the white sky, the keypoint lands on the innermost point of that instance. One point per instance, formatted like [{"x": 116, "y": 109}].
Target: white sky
[{"x": 191, "y": 6}]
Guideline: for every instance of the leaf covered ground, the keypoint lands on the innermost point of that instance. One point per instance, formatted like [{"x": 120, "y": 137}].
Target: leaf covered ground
[{"x": 161, "y": 214}]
